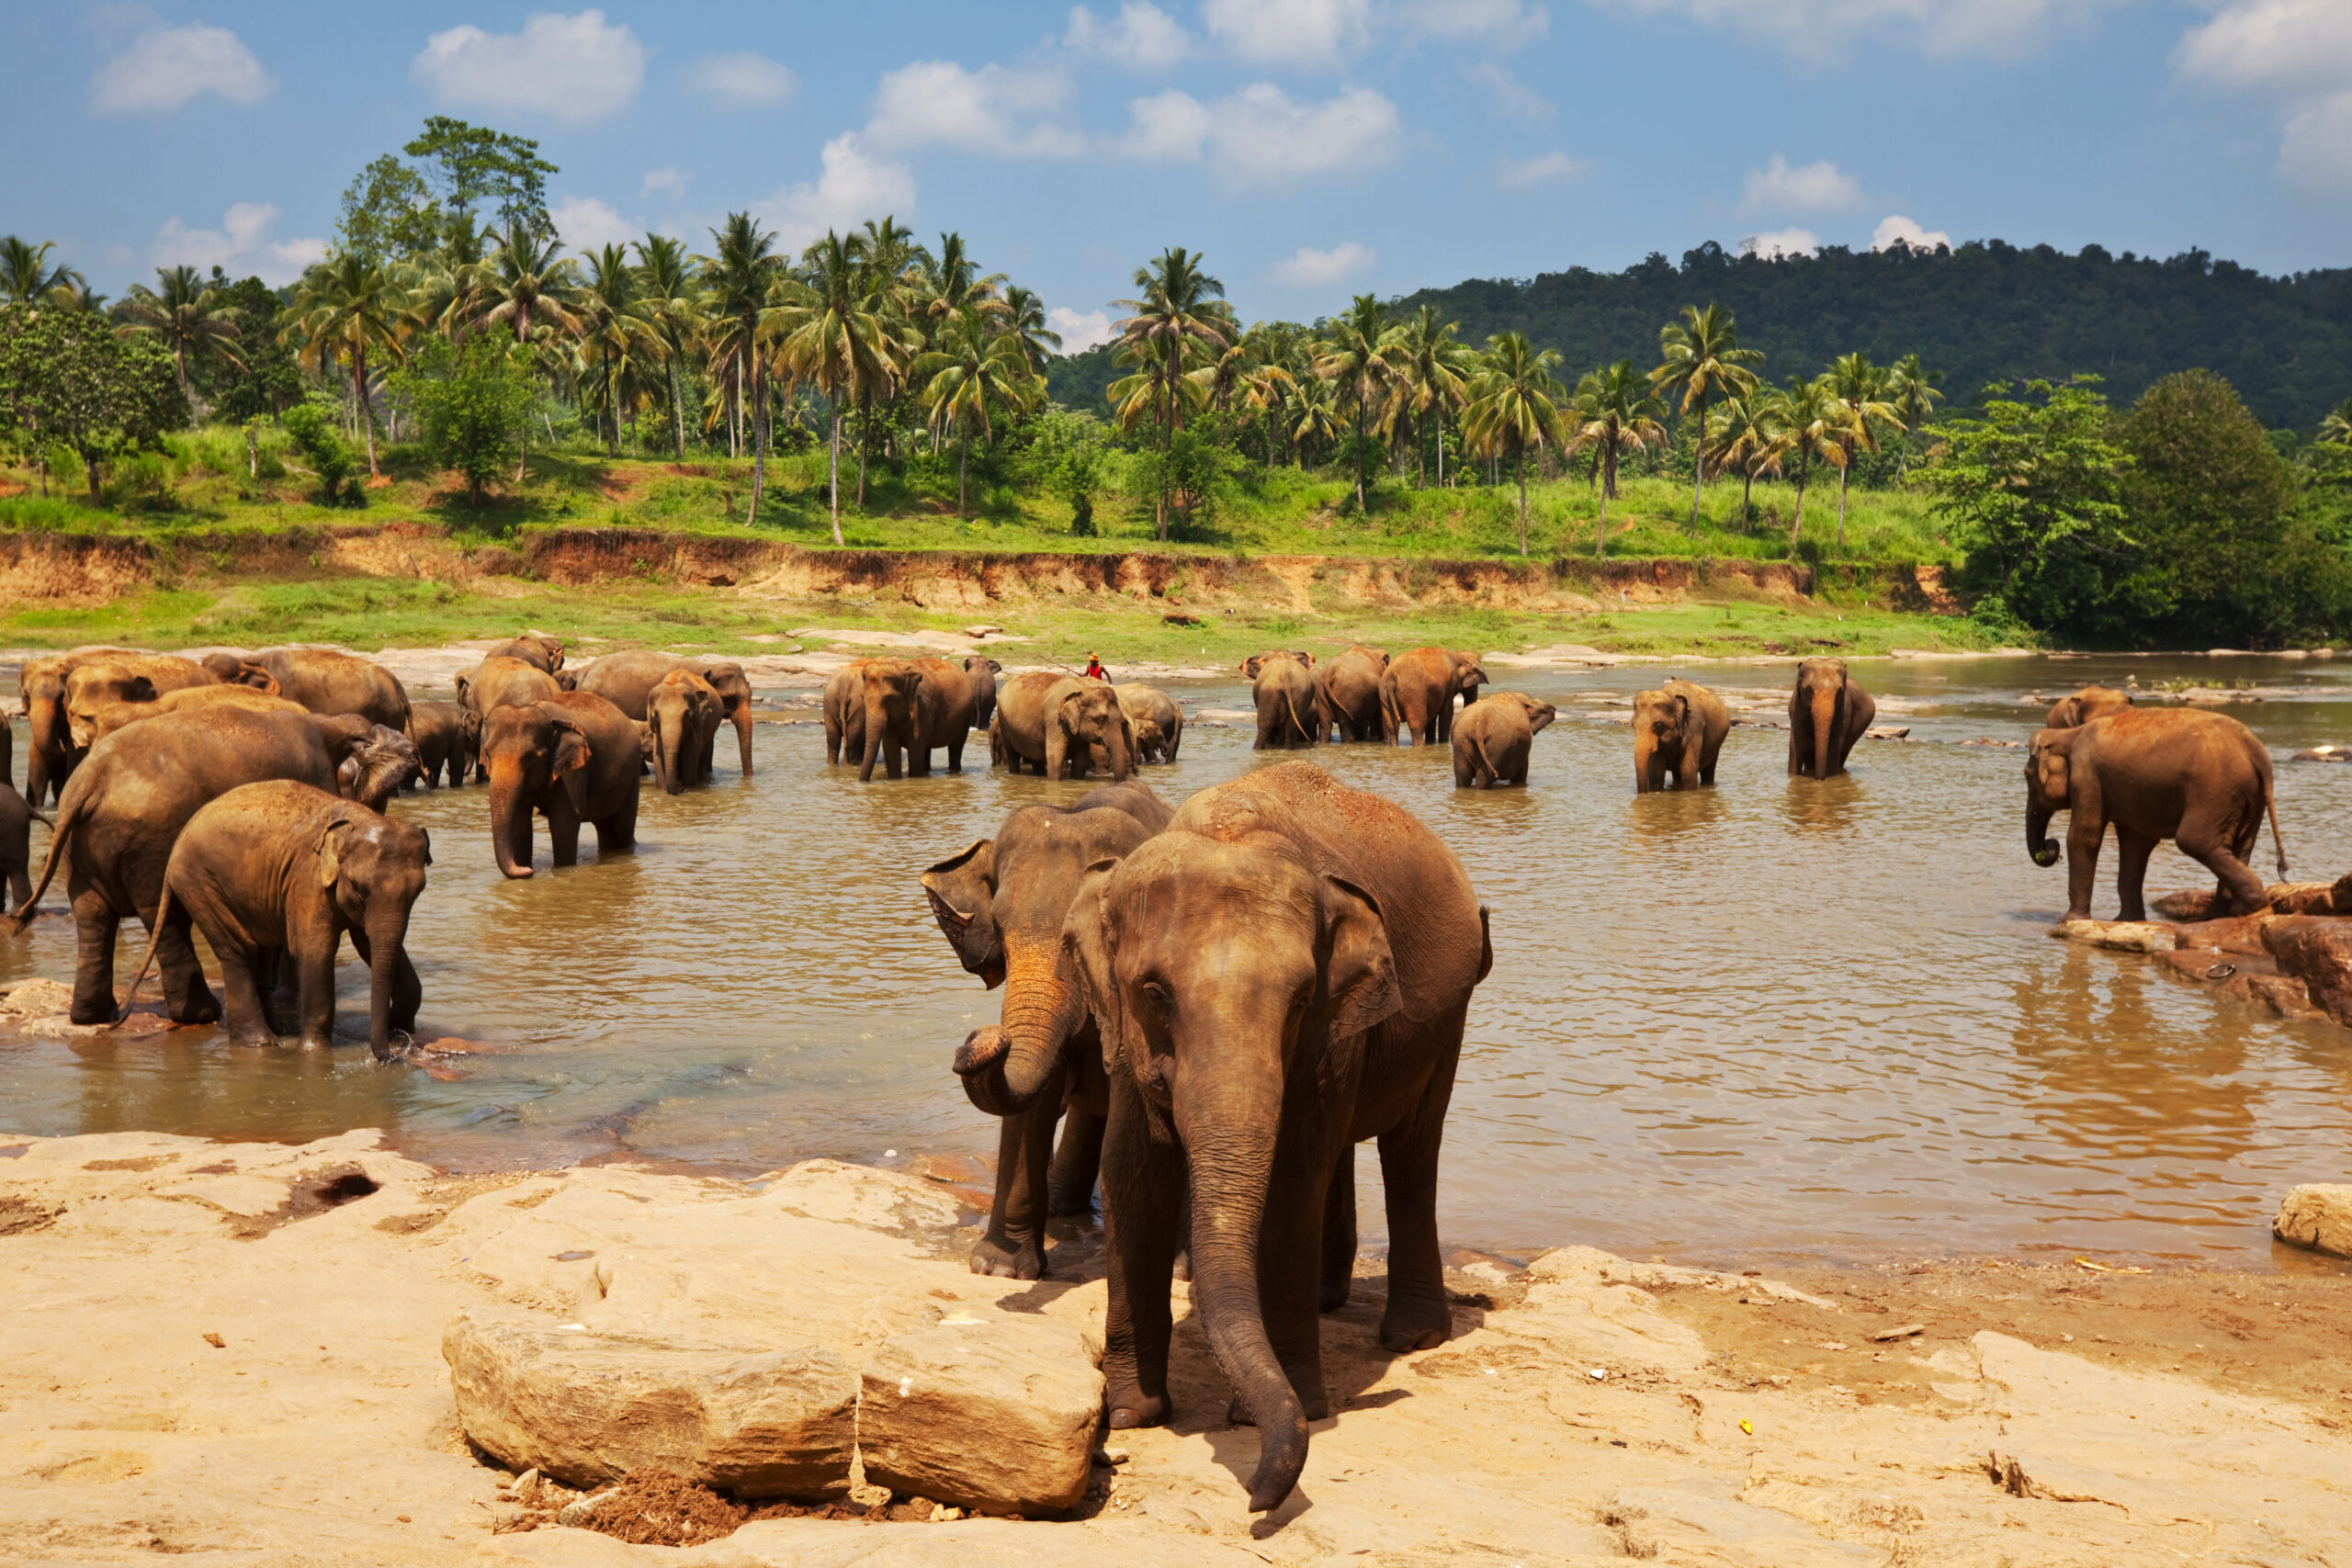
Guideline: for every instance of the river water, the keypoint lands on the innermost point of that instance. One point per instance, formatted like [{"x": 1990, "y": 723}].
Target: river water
[{"x": 1775, "y": 1019}]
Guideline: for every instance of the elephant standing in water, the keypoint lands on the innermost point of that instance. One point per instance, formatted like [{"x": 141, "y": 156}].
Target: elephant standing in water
[
  {"x": 41, "y": 683},
  {"x": 681, "y": 714},
  {"x": 1282, "y": 972},
  {"x": 1057, "y": 723},
  {"x": 2090, "y": 703},
  {"x": 1290, "y": 709},
  {"x": 1678, "y": 731},
  {"x": 325, "y": 680},
  {"x": 1492, "y": 739},
  {"x": 1417, "y": 690},
  {"x": 1149, "y": 704},
  {"x": 2202, "y": 780},
  {"x": 625, "y": 679},
  {"x": 277, "y": 871},
  {"x": 1000, "y": 904},
  {"x": 448, "y": 737},
  {"x": 963, "y": 698},
  {"x": 1350, "y": 688},
  {"x": 1828, "y": 712},
  {"x": 16, "y": 844},
  {"x": 534, "y": 649},
  {"x": 573, "y": 758}
]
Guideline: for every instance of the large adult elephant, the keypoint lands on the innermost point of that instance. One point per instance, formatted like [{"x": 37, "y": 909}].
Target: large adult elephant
[
  {"x": 1828, "y": 712},
  {"x": 1678, "y": 731},
  {"x": 965, "y": 693},
  {"x": 280, "y": 871},
  {"x": 1492, "y": 739},
  {"x": 125, "y": 805},
  {"x": 1149, "y": 705},
  {"x": 2201, "y": 779},
  {"x": 1290, "y": 709},
  {"x": 1282, "y": 972},
  {"x": 93, "y": 683},
  {"x": 898, "y": 713},
  {"x": 88, "y": 723},
  {"x": 2090, "y": 703},
  {"x": 1350, "y": 688},
  {"x": 41, "y": 683},
  {"x": 681, "y": 714},
  {"x": 499, "y": 681},
  {"x": 326, "y": 679},
  {"x": 1417, "y": 690},
  {"x": 845, "y": 708},
  {"x": 573, "y": 758},
  {"x": 534, "y": 649},
  {"x": 1000, "y": 905},
  {"x": 1055, "y": 723},
  {"x": 626, "y": 679}
]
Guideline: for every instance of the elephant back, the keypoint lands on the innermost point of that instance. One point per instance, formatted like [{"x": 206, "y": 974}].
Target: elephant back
[{"x": 626, "y": 679}]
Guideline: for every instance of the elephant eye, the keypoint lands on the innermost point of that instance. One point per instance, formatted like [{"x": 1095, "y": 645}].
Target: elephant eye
[{"x": 1154, "y": 994}]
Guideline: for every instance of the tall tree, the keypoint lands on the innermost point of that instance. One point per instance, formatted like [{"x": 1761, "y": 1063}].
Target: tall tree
[
  {"x": 1861, "y": 389},
  {"x": 67, "y": 376},
  {"x": 526, "y": 283},
  {"x": 1812, "y": 422},
  {"x": 743, "y": 271},
  {"x": 975, "y": 366},
  {"x": 1360, "y": 358},
  {"x": 1024, "y": 315},
  {"x": 674, "y": 308},
  {"x": 345, "y": 309},
  {"x": 834, "y": 340},
  {"x": 388, "y": 214},
  {"x": 480, "y": 169},
  {"x": 1514, "y": 406},
  {"x": 1178, "y": 318},
  {"x": 1699, "y": 358},
  {"x": 196, "y": 321},
  {"x": 948, "y": 282},
  {"x": 26, "y": 276},
  {"x": 1750, "y": 441},
  {"x": 1913, "y": 391},
  {"x": 1615, "y": 411},
  {"x": 1433, "y": 371},
  {"x": 613, "y": 330},
  {"x": 1315, "y": 418},
  {"x": 2336, "y": 427}
]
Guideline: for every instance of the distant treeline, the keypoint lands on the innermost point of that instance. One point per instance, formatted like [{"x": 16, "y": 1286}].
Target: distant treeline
[{"x": 1988, "y": 311}]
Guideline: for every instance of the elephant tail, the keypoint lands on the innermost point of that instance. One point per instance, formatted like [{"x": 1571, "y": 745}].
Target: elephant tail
[
  {"x": 68, "y": 813},
  {"x": 163, "y": 912},
  {"x": 2270, "y": 803},
  {"x": 1305, "y": 734}
]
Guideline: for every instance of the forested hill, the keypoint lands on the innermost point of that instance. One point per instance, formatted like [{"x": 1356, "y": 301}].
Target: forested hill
[{"x": 1985, "y": 312}]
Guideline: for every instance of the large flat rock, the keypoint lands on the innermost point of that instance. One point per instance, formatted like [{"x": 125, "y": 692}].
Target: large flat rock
[
  {"x": 2317, "y": 1216},
  {"x": 988, "y": 1413}
]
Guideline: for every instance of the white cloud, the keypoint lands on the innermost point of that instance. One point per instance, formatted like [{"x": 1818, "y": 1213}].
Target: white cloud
[
  {"x": 853, "y": 188},
  {"x": 663, "y": 179},
  {"x": 240, "y": 246},
  {"x": 164, "y": 67},
  {"x": 1541, "y": 169},
  {"x": 1809, "y": 187},
  {"x": 1143, "y": 38},
  {"x": 1289, "y": 32},
  {"x": 744, "y": 78},
  {"x": 1908, "y": 230},
  {"x": 1781, "y": 243},
  {"x": 588, "y": 225},
  {"x": 569, "y": 68},
  {"x": 1262, "y": 135},
  {"x": 1081, "y": 330},
  {"x": 1829, "y": 29},
  {"x": 2297, "y": 56},
  {"x": 1492, "y": 21},
  {"x": 1507, "y": 95},
  {"x": 996, "y": 109},
  {"x": 1308, "y": 267}
]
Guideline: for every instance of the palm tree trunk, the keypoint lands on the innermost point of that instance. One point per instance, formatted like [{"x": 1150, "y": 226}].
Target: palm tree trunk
[
  {"x": 367, "y": 410},
  {"x": 1698, "y": 464},
  {"x": 864, "y": 440},
  {"x": 1842, "y": 476},
  {"x": 1608, "y": 488},
  {"x": 1360, "y": 451},
  {"x": 759, "y": 437},
  {"x": 1522, "y": 505},
  {"x": 1746, "y": 498},
  {"x": 678, "y": 407},
  {"x": 1805, "y": 467},
  {"x": 963, "y": 458},
  {"x": 735, "y": 413},
  {"x": 833, "y": 472}
]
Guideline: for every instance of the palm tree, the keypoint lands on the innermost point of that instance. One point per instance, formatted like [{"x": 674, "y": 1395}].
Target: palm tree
[
  {"x": 189, "y": 315},
  {"x": 742, "y": 275},
  {"x": 26, "y": 276},
  {"x": 1914, "y": 391},
  {"x": 1515, "y": 404},
  {"x": 1180, "y": 316},
  {"x": 974, "y": 367},
  {"x": 2336, "y": 427},
  {"x": 1750, "y": 442},
  {"x": 1317, "y": 419},
  {"x": 1812, "y": 422},
  {"x": 1702, "y": 359},
  {"x": 1861, "y": 388},
  {"x": 614, "y": 328},
  {"x": 948, "y": 283},
  {"x": 833, "y": 338},
  {"x": 1025, "y": 314},
  {"x": 1616, "y": 410},
  {"x": 522, "y": 283},
  {"x": 1433, "y": 370},
  {"x": 671, "y": 304},
  {"x": 343, "y": 310},
  {"x": 1362, "y": 357}
]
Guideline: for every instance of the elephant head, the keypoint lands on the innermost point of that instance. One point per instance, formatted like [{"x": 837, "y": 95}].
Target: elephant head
[
  {"x": 1149, "y": 742},
  {"x": 374, "y": 869},
  {"x": 891, "y": 695},
  {"x": 94, "y": 688},
  {"x": 1539, "y": 715},
  {"x": 2090, "y": 703},
  {"x": 373, "y": 762},
  {"x": 1089, "y": 714},
  {"x": 2049, "y": 784},
  {"x": 1213, "y": 967},
  {"x": 1257, "y": 661},
  {"x": 983, "y": 672},
  {"x": 1469, "y": 674},
  {"x": 1821, "y": 694},
  {"x": 231, "y": 670},
  {"x": 1659, "y": 717},
  {"x": 726, "y": 678},
  {"x": 681, "y": 713},
  {"x": 530, "y": 750}
]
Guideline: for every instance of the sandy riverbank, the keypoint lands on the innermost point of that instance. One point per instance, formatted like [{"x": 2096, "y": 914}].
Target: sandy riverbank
[{"x": 232, "y": 1353}]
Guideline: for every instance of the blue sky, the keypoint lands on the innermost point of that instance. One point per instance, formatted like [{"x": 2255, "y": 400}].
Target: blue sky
[{"x": 1311, "y": 147}]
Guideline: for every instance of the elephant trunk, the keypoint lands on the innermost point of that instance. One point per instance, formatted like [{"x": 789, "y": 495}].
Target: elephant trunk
[
  {"x": 1228, "y": 1129},
  {"x": 1824, "y": 706},
  {"x": 385, "y": 935},
  {"x": 1005, "y": 1069},
  {"x": 2038, "y": 841},
  {"x": 510, "y": 820},
  {"x": 742, "y": 722},
  {"x": 671, "y": 755},
  {"x": 1116, "y": 752},
  {"x": 877, "y": 738}
]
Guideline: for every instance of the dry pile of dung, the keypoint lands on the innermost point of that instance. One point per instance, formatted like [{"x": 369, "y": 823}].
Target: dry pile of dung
[{"x": 653, "y": 1507}]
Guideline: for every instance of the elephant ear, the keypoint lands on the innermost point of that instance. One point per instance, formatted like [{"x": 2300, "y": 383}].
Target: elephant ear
[
  {"x": 961, "y": 890},
  {"x": 328, "y": 847},
  {"x": 1359, "y": 970},
  {"x": 1539, "y": 715},
  {"x": 1088, "y": 937},
  {"x": 571, "y": 755},
  {"x": 1251, "y": 665}
]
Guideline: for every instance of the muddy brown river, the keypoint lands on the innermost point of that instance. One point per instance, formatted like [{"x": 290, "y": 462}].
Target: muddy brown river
[{"x": 1776, "y": 1019}]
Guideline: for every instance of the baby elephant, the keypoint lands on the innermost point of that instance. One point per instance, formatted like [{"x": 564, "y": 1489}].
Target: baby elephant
[
  {"x": 1493, "y": 736},
  {"x": 278, "y": 870},
  {"x": 448, "y": 737},
  {"x": 1678, "y": 730}
]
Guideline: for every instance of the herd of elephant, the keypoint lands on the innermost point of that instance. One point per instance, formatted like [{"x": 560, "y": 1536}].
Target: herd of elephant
[{"x": 244, "y": 795}]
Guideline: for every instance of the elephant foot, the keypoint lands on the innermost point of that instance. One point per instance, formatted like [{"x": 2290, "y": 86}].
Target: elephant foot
[
  {"x": 1061, "y": 1201},
  {"x": 1334, "y": 1294},
  {"x": 198, "y": 1010},
  {"x": 91, "y": 1011},
  {"x": 1133, "y": 1410},
  {"x": 1414, "y": 1325},
  {"x": 1182, "y": 1269},
  {"x": 1003, "y": 1261}
]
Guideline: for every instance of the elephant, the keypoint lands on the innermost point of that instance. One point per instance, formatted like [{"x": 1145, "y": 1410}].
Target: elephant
[
  {"x": 15, "y": 843},
  {"x": 681, "y": 713},
  {"x": 1151, "y": 744},
  {"x": 1290, "y": 707},
  {"x": 326, "y": 679},
  {"x": 899, "y": 711},
  {"x": 964, "y": 699},
  {"x": 41, "y": 683},
  {"x": 2090, "y": 703},
  {"x": 500, "y": 681},
  {"x": 1417, "y": 692},
  {"x": 1491, "y": 740},
  {"x": 625, "y": 679},
  {"x": 1055, "y": 723},
  {"x": 1281, "y": 972},
  {"x": 96, "y": 683},
  {"x": 844, "y": 707},
  {"x": 534, "y": 649},
  {"x": 281, "y": 870},
  {"x": 1000, "y": 904},
  {"x": 86, "y": 724},
  {"x": 1828, "y": 712},
  {"x": 1143, "y": 704},
  {"x": 573, "y": 758},
  {"x": 448, "y": 737},
  {"x": 1678, "y": 731},
  {"x": 125, "y": 805},
  {"x": 2202, "y": 780},
  {"x": 1350, "y": 685}
]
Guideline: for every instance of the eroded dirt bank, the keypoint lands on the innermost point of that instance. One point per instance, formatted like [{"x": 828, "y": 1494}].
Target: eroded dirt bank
[{"x": 232, "y": 1353}]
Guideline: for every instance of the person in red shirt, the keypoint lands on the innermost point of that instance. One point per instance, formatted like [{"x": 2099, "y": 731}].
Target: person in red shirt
[{"x": 1094, "y": 671}]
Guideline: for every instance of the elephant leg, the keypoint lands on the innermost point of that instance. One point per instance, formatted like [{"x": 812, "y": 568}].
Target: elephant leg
[
  {"x": 956, "y": 752},
  {"x": 2236, "y": 880},
  {"x": 1464, "y": 770},
  {"x": 2132, "y": 852},
  {"x": 1078, "y": 1161},
  {"x": 408, "y": 988},
  {"x": 1340, "y": 1234},
  {"x": 1013, "y": 1247},
  {"x": 564, "y": 829},
  {"x": 1419, "y": 1316},
  {"x": 617, "y": 831},
  {"x": 313, "y": 967},
  {"x": 1144, "y": 1193},
  {"x": 2081, "y": 862},
  {"x": 245, "y": 1008},
  {"x": 187, "y": 1000},
  {"x": 95, "y": 926}
]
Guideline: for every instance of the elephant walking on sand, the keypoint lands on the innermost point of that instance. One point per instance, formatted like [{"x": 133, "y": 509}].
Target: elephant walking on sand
[
  {"x": 1828, "y": 712},
  {"x": 1492, "y": 739},
  {"x": 1282, "y": 972},
  {"x": 280, "y": 871},
  {"x": 1000, "y": 904},
  {"x": 1678, "y": 731},
  {"x": 2202, "y": 780}
]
